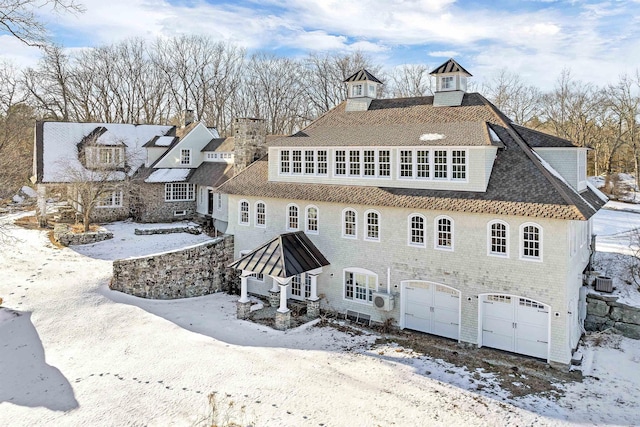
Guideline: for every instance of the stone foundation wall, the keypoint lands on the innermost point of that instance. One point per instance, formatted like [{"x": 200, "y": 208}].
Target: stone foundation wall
[
  {"x": 604, "y": 312},
  {"x": 63, "y": 235},
  {"x": 190, "y": 272}
]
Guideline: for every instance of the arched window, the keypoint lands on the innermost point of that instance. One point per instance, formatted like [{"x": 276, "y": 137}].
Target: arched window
[
  {"x": 292, "y": 217},
  {"x": 349, "y": 223},
  {"x": 243, "y": 213},
  {"x": 417, "y": 230},
  {"x": 311, "y": 222},
  {"x": 372, "y": 231},
  {"x": 498, "y": 238},
  {"x": 444, "y": 233},
  {"x": 531, "y": 242},
  {"x": 359, "y": 284},
  {"x": 261, "y": 214}
]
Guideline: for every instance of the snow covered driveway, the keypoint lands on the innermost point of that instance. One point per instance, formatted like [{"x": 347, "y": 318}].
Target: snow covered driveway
[{"x": 72, "y": 352}]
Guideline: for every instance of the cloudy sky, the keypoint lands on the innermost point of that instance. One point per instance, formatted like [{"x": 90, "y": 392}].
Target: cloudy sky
[{"x": 596, "y": 40}]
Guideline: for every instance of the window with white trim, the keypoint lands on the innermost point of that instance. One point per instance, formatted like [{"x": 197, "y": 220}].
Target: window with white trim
[
  {"x": 179, "y": 192},
  {"x": 356, "y": 90},
  {"x": 261, "y": 214},
  {"x": 354, "y": 163},
  {"x": 349, "y": 223},
  {"x": 285, "y": 167},
  {"x": 112, "y": 199},
  {"x": 311, "y": 220},
  {"x": 458, "y": 164},
  {"x": 359, "y": 285},
  {"x": 303, "y": 162},
  {"x": 440, "y": 164},
  {"x": 444, "y": 233},
  {"x": 531, "y": 242},
  {"x": 296, "y": 160},
  {"x": 498, "y": 238},
  {"x": 111, "y": 157},
  {"x": 243, "y": 212},
  {"x": 297, "y": 282},
  {"x": 309, "y": 162},
  {"x": 340, "y": 162},
  {"x": 384, "y": 163},
  {"x": 437, "y": 164},
  {"x": 369, "y": 160},
  {"x": 447, "y": 83},
  {"x": 372, "y": 231},
  {"x": 417, "y": 230},
  {"x": 322, "y": 162},
  {"x": 293, "y": 217},
  {"x": 185, "y": 156}
]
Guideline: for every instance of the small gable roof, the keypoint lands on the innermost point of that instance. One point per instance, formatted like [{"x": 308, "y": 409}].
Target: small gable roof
[
  {"x": 284, "y": 256},
  {"x": 451, "y": 66},
  {"x": 362, "y": 75}
]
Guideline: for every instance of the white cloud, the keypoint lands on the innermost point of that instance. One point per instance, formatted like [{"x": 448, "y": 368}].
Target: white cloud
[{"x": 444, "y": 54}]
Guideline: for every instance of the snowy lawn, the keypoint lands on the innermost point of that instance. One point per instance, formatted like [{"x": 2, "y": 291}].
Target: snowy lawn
[{"x": 73, "y": 352}]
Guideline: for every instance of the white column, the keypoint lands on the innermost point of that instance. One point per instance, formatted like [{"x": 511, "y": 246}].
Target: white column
[
  {"x": 283, "y": 299},
  {"x": 244, "y": 297},
  {"x": 274, "y": 286},
  {"x": 314, "y": 287}
]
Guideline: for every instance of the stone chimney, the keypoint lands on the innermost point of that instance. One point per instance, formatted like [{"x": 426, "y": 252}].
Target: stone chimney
[
  {"x": 187, "y": 117},
  {"x": 250, "y": 137}
]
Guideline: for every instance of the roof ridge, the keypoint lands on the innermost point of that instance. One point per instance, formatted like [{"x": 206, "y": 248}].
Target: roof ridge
[{"x": 529, "y": 153}]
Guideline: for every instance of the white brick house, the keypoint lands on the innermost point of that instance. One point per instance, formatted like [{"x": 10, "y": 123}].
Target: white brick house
[{"x": 437, "y": 212}]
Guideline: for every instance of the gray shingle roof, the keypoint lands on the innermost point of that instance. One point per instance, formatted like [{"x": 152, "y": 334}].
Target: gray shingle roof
[
  {"x": 537, "y": 139},
  {"x": 519, "y": 183}
]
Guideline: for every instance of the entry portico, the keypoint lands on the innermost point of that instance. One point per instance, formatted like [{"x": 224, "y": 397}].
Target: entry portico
[{"x": 282, "y": 258}]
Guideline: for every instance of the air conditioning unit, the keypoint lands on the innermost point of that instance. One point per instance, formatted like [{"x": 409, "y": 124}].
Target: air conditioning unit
[{"x": 383, "y": 301}]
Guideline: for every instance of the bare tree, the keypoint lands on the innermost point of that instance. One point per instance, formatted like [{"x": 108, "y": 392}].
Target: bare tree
[
  {"x": 324, "y": 76},
  {"x": 19, "y": 18},
  {"x": 411, "y": 80},
  {"x": 16, "y": 132},
  {"x": 513, "y": 97}
]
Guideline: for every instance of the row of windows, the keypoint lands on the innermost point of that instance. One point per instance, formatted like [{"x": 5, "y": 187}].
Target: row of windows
[
  {"x": 497, "y": 231},
  {"x": 416, "y": 163},
  {"x": 179, "y": 191},
  {"x": 221, "y": 155}
]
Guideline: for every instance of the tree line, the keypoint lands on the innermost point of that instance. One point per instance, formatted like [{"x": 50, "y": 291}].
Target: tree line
[{"x": 140, "y": 81}]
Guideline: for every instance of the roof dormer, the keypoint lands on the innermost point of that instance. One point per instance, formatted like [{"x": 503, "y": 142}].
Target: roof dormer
[
  {"x": 451, "y": 84},
  {"x": 362, "y": 88}
]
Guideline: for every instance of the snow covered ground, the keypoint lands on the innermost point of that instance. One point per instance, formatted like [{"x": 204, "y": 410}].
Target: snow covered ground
[{"x": 73, "y": 352}]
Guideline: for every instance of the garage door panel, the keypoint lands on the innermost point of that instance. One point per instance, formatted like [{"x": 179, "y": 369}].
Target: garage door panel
[
  {"x": 417, "y": 323},
  {"x": 432, "y": 308},
  {"x": 499, "y": 341},
  {"x": 515, "y": 324},
  {"x": 531, "y": 348},
  {"x": 446, "y": 329}
]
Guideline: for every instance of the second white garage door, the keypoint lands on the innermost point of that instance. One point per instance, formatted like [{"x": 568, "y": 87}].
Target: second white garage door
[
  {"x": 431, "y": 307},
  {"x": 515, "y": 324}
]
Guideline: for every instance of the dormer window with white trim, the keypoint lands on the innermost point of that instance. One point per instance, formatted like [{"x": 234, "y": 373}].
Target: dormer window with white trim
[
  {"x": 357, "y": 90},
  {"x": 105, "y": 157},
  {"x": 447, "y": 83}
]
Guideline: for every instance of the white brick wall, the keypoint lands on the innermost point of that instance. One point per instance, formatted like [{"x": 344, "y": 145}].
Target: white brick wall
[{"x": 468, "y": 268}]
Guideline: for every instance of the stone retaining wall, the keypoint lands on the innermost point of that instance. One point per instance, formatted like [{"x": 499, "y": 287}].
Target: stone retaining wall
[
  {"x": 151, "y": 231},
  {"x": 194, "y": 271},
  {"x": 63, "y": 235},
  {"x": 604, "y": 312}
]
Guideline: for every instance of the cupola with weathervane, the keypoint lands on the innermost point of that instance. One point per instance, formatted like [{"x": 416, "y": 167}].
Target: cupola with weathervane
[
  {"x": 451, "y": 84},
  {"x": 362, "y": 88}
]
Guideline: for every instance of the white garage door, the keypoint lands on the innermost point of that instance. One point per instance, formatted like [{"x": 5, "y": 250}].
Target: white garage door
[
  {"x": 515, "y": 324},
  {"x": 432, "y": 308}
]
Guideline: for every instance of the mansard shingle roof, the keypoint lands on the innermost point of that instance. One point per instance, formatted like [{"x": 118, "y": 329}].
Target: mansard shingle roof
[{"x": 519, "y": 183}]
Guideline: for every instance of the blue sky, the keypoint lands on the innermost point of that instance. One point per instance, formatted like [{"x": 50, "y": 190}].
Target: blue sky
[{"x": 596, "y": 40}]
